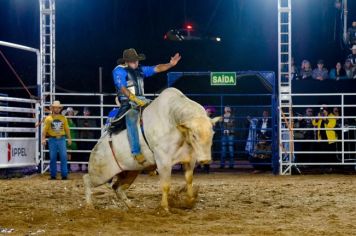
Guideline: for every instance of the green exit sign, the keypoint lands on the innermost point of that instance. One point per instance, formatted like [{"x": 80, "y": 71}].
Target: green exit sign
[{"x": 223, "y": 78}]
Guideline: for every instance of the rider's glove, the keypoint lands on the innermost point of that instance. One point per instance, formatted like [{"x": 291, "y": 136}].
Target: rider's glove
[{"x": 136, "y": 100}]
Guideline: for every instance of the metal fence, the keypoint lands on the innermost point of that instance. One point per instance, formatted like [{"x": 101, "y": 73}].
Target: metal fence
[
  {"x": 87, "y": 129},
  {"x": 19, "y": 140},
  {"x": 100, "y": 105},
  {"x": 312, "y": 144}
]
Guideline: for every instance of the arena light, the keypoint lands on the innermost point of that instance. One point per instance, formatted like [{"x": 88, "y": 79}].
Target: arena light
[
  {"x": 218, "y": 39},
  {"x": 189, "y": 27}
]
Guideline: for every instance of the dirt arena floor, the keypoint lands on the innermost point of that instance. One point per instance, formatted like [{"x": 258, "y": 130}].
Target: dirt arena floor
[{"x": 227, "y": 203}]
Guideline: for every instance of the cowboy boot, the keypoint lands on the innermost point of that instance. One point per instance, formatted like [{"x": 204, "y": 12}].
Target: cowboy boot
[{"x": 140, "y": 158}]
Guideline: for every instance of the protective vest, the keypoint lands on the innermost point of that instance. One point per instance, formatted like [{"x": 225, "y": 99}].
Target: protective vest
[{"x": 134, "y": 81}]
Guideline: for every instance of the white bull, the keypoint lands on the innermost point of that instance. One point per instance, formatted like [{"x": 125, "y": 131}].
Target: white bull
[{"x": 177, "y": 129}]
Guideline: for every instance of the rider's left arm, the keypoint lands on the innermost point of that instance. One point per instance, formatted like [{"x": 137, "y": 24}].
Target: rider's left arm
[{"x": 164, "y": 67}]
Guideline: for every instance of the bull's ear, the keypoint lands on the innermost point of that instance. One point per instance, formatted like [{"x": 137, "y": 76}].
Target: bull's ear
[
  {"x": 183, "y": 128},
  {"x": 216, "y": 119}
]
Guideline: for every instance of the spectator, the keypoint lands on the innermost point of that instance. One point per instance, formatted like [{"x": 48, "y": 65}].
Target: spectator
[
  {"x": 261, "y": 157},
  {"x": 227, "y": 139},
  {"x": 86, "y": 134},
  {"x": 297, "y": 134},
  {"x": 338, "y": 72},
  {"x": 210, "y": 111},
  {"x": 264, "y": 126},
  {"x": 306, "y": 70},
  {"x": 352, "y": 56},
  {"x": 294, "y": 70},
  {"x": 348, "y": 69},
  {"x": 309, "y": 134},
  {"x": 55, "y": 127},
  {"x": 336, "y": 113},
  {"x": 320, "y": 73},
  {"x": 73, "y": 133},
  {"x": 308, "y": 123},
  {"x": 351, "y": 34},
  {"x": 252, "y": 135},
  {"x": 326, "y": 133}
]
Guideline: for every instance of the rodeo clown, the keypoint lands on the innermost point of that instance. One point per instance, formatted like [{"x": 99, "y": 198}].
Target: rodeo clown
[
  {"x": 128, "y": 79},
  {"x": 55, "y": 128}
]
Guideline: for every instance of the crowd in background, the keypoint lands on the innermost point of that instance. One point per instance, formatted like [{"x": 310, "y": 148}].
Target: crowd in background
[
  {"x": 346, "y": 70},
  {"x": 84, "y": 135}
]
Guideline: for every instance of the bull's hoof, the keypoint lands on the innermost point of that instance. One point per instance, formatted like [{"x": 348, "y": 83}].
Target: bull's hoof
[
  {"x": 163, "y": 210},
  {"x": 129, "y": 204},
  {"x": 190, "y": 200},
  {"x": 153, "y": 173},
  {"x": 89, "y": 206}
]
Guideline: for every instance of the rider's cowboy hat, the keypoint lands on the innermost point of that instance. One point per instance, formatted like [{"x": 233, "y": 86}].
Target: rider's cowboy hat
[
  {"x": 130, "y": 55},
  {"x": 56, "y": 104},
  {"x": 69, "y": 109}
]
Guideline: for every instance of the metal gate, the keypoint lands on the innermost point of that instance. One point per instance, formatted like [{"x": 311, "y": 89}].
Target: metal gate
[
  {"x": 253, "y": 93},
  {"x": 19, "y": 136}
]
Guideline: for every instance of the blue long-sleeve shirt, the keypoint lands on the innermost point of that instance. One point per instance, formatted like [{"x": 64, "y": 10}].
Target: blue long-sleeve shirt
[
  {"x": 119, "y": 75},
  {"x": 320, "y": 73}
]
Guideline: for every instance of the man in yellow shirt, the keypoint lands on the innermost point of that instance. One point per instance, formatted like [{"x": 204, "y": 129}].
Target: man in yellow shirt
[
  {"x": 55, "y": 128},
  {"x": 326, "y": 134}
]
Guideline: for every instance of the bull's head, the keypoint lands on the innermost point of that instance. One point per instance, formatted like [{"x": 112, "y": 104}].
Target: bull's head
[{"x": 198, "y": 133}]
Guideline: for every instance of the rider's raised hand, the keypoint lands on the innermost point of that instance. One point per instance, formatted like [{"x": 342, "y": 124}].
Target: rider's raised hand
[{"x": 174, "y": 60}]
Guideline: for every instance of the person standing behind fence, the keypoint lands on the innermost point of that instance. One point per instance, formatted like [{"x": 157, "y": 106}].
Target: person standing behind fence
[
  {"x": 73, "y": 133},
  {"x": 55, "y": 128},
  {"x": 227, "y": 138},
  {"x": 307, "y": 146},
  {"x": 264, "y": 126},
  {"x": 86, "y": 134},
  {"x": 326, "y": 125}
]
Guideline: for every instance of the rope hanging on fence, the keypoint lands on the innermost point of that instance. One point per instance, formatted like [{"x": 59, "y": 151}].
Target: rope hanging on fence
[
  {"x": 291, "y": 131},
  {"x": 17, "y": 76},
  {"x": 22, "y": 83}
]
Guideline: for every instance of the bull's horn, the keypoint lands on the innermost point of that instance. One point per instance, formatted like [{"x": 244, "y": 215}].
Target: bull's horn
[{"x": 216, "y": 119}]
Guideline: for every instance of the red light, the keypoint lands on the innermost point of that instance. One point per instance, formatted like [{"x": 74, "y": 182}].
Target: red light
[{"x": 189, "y": 27}]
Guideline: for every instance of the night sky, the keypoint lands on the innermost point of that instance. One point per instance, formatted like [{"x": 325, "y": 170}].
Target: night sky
[{"x": 93, "y": 33}]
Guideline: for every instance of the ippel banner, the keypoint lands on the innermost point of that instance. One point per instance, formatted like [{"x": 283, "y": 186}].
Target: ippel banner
[{"x": 17, "y": 151}]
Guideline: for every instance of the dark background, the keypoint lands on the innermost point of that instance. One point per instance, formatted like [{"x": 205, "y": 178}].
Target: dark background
[{"x": 93, "y": 33}]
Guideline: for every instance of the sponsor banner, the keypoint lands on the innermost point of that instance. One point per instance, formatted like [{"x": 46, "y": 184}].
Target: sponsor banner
[{"x": 17, "y": 151}]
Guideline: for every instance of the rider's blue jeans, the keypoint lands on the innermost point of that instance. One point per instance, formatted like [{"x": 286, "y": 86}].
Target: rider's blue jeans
[{"x": 132, "y": 131}]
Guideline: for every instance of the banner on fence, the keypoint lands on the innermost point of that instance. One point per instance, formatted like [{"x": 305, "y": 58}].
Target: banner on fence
[{"x": 17, "y": 152}]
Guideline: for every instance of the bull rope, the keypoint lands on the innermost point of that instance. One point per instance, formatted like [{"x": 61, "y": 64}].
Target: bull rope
[{"x": 113, "y": 153}]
